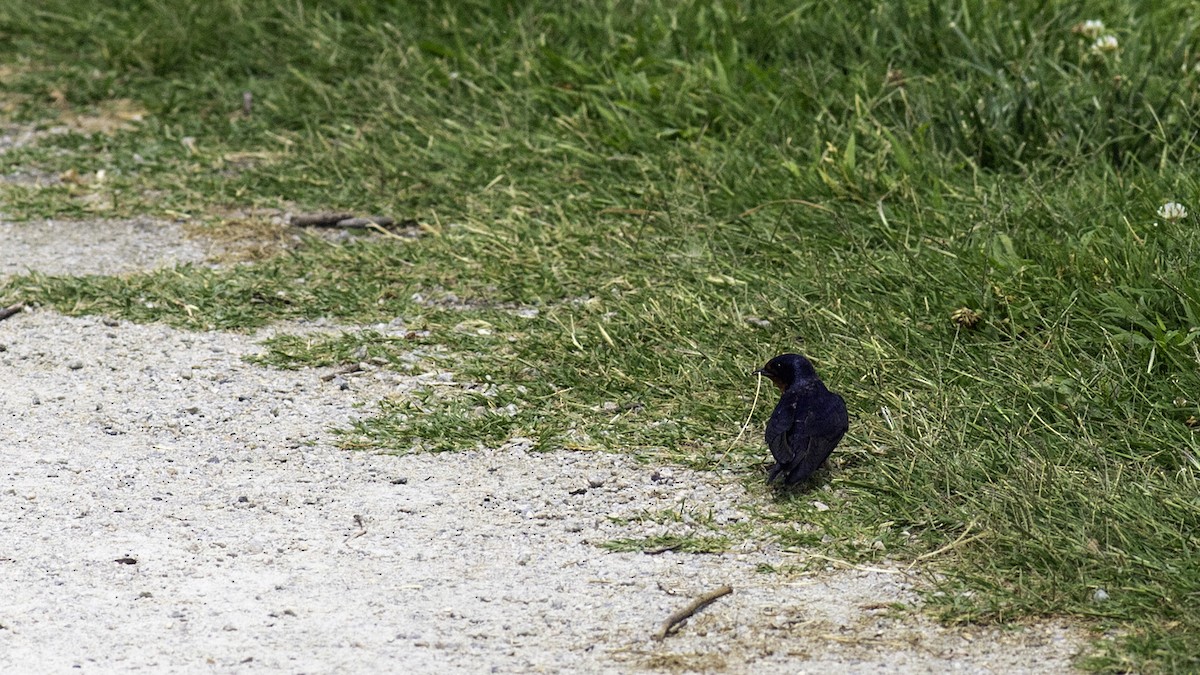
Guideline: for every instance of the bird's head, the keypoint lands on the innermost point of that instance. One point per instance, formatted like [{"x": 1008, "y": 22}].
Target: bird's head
[{"x": 787, "y": 369}]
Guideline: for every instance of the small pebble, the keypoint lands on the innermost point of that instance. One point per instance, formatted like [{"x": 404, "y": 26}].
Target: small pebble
[{"x": 75, "y": 365}]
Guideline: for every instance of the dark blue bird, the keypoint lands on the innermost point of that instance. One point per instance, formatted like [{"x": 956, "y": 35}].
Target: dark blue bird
[{"x": 807, "y": 423}]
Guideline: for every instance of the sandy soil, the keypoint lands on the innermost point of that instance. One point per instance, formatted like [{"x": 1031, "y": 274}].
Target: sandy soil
[{"x": 167, "y": 507}]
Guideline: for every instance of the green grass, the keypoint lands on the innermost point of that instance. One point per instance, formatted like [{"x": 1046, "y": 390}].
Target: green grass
[{"x": 681, "y": 190}]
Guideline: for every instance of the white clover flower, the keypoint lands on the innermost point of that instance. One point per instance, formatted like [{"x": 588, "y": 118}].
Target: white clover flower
[
  {"x": 1105, "y": 44},
  {"x": 1090, "y": 28},
  {"x": 1172, "y": 212}
]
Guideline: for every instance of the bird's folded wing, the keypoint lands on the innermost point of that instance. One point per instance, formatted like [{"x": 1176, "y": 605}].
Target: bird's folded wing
[
  {"x": 811, "y": 455},
  {"x": 812, "y": 433}
]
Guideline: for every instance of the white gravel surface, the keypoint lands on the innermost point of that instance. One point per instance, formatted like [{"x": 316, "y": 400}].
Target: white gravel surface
[
  {"x": 167, "y": 507},
  {"x": 115, "y": 247}
]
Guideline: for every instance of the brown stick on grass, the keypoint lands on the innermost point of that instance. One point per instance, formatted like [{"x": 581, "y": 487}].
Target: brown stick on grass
[
  {"x": 11, "y": 310},
  {"x": 693, "y": 607},
  {"x": 319, "y": 219}
]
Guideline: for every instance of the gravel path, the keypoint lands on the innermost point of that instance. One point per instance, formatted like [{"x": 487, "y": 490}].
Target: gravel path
[
  {"x": 116, "y": 247},
  {"x": 167, "y": 507}
]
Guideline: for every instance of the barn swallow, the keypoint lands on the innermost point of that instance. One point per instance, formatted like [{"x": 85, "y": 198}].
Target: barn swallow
[{"x": 808, "y": 421}]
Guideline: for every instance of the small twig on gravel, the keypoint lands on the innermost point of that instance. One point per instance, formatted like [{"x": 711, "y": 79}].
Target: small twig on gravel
[
  {"x": 361, "y": 524},
  {"x": 11, "y": 310},
  {"x": 362, "y": 528},
  {"x": 693, "y": 607},
  {"x": 344, "y": 370}
]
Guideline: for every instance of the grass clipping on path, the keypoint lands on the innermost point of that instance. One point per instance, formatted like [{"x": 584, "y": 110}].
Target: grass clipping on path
[{"x": 952, "y": 208}]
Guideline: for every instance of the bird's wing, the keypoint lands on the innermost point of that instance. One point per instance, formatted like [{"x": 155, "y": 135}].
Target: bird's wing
[
  {"x": 809, "y": 426},
  {"x": 779, "y": 430},
  {"x": 810, "y": 458}
]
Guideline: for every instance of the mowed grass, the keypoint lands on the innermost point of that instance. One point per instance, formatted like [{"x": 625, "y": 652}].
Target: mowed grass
[{"x": 628, "y": 206}]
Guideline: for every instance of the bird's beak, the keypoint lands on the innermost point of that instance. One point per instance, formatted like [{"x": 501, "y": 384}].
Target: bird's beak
[{"x": 760, "y": 371}]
